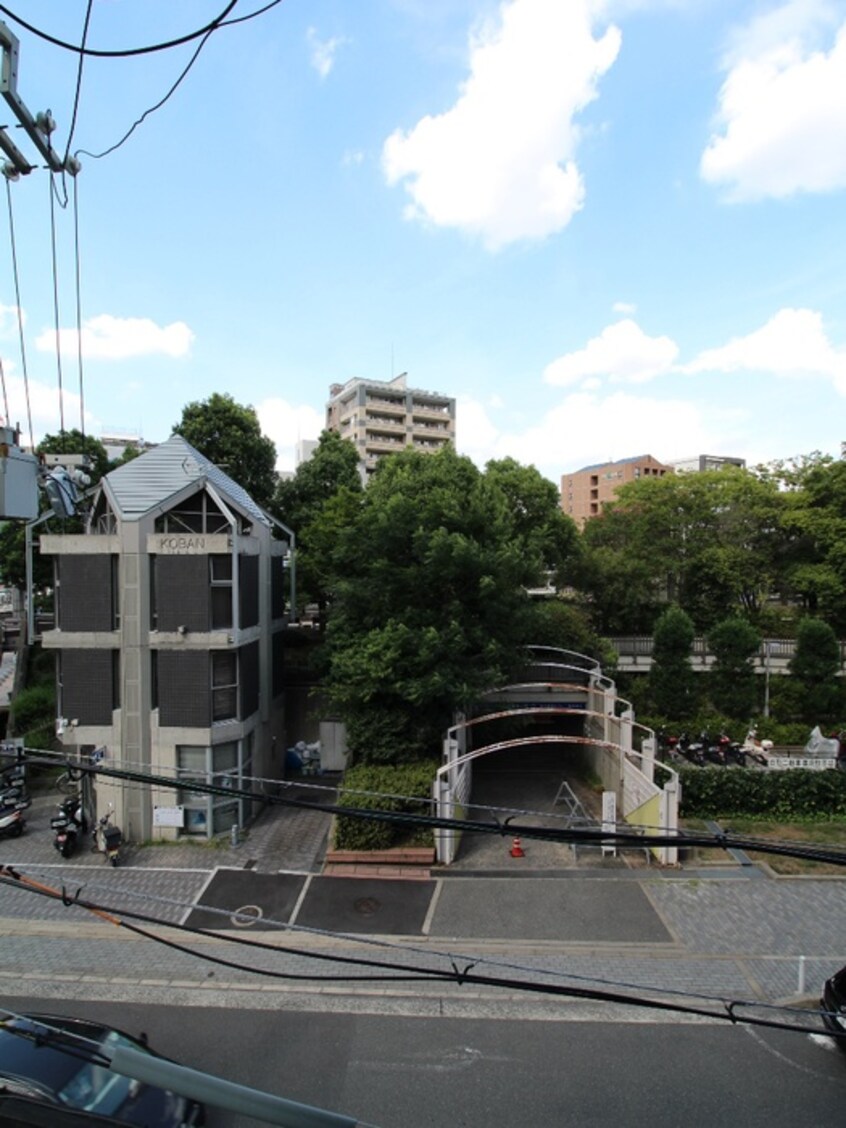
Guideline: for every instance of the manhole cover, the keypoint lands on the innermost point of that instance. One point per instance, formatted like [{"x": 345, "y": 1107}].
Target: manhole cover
[
  {"x": 367, "y": 906},
  {"x": 246, "y": 916}
]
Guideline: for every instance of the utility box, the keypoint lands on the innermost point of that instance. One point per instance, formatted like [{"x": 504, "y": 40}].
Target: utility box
[
  {"x": 18, "y": 479},
  {"x": 333, "y": 746}
]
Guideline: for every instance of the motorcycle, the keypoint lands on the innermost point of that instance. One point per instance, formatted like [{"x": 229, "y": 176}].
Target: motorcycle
[
  {"x": 107, "y": 838},
  {"x": 693, "y": 750},
  {"x": 12, "y": 821},
  {"x": 68, "y": 825},
  {"x": 758, "y": 750},
  {"x": 13, "y": 789},
  {"x": 735, "y": 753}
]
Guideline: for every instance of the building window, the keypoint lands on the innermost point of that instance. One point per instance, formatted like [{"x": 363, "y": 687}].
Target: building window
[
  {"x": 224, "y": 673},
  {"x": 115, "y": 593},
  {"x": 220, "y": 578},
  {"x": 154, "y": 679},
  {"x": 226, "y": 765}
]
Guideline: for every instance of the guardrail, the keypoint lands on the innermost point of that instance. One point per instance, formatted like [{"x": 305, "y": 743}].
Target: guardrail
[{"x": 774, "y": 654}]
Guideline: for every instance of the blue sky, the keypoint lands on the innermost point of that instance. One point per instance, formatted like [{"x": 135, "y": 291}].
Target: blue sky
[{"x": 607, "y": 228}]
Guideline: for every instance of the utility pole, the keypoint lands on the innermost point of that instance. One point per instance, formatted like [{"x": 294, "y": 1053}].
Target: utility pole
[{"x": 38, "y": 127}]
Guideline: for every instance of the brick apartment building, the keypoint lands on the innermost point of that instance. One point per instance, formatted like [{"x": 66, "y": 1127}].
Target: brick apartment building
[{"x": 584, "y": 492}]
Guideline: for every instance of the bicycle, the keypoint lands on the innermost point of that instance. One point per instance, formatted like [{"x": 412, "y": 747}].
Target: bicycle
[{"x": 68, "y": 782}]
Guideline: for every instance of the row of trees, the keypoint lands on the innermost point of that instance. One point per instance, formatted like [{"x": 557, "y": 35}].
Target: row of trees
[{"x": 813, "y": 694}]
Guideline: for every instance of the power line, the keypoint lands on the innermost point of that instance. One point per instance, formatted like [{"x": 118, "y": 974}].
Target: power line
[
  {"x": 19, "y": 312},
  {"x": 586, "y": 835},
  {"x": 78, "y": 78},
  {"x": 126, "y": 52},
  {"x": 151, "y": 109},
  {"x": 460, "y": 975}
]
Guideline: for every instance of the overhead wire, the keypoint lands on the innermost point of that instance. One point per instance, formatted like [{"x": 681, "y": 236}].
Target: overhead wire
[
  {"x": 586, "y": 835},
  {"x": 78, "y": 293},
  {"x": 460, "y": 975},
  {"x": 78, "y": 90},
  {"x": 125, "y": 52},
  {"x": 56, "y": 319},
  {"x": 16, "y": 276}
]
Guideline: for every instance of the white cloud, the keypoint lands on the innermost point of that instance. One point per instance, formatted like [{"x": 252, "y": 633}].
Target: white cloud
[
  {"x": 323, "y": 51},
  {"x": 792, "y": 343},
  {"x": 120, "y": 338},
  {"x": 286, "y": 425},
  {"x": 583, "y": 429},
  {"x": 781, "y": 124},
  {"x": 629, "y": 308},
  {"x": 622, "y": 352},
  {"x": 46, "y": 409},
  {"x": 9, "y": 327},
  {"x": 500, "y": 163}
]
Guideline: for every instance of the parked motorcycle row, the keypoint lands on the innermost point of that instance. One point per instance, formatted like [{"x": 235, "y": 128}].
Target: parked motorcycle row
[
  {"x": 721, "y": 751},
  {"x": 69, "y": 824},
  {"x": 14, "y": 800}
]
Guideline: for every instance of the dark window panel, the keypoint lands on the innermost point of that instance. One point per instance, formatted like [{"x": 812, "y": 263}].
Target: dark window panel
[{"x": 184, "y": 688}]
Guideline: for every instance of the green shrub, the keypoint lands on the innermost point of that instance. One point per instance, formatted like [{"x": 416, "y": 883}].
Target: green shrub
[
  {"x": 388, "y": 787},
  {"x": 783, "y": 795},
  {"x": 33, "y": 713}
]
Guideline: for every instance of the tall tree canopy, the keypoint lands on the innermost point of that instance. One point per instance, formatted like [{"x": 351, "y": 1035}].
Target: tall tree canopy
[
  {"x": 320, "y": 499},
  {"x": 430, "y": 603},
  {"x": 816, "y": 520},
  {"x": 229, "y": 435},
  {"x": 712, "y": 543}
]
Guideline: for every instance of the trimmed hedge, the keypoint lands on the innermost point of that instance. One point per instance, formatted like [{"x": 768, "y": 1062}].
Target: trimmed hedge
[
  {"x": 795, "y": 793},
  {"x": 395, "y": 787}
]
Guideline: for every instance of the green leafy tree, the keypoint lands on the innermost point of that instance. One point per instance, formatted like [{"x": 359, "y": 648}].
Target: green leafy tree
[
  {"x": 671, "y": 679},
  {"x": 731, "y": 681},
  {"x": 816, "y": 519},
  {"x": 713, "y": 543},
  {"x": 549, "y": 536},
  {"x": 229, "y": 435},
  {"x": 430, "y": 604},
  {"x": 815, "y": 666},
  {"x": 320, "y": 500}
]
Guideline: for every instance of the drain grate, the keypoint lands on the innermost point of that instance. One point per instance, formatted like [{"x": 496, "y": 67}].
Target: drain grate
[{"x": 367, "y": 906}]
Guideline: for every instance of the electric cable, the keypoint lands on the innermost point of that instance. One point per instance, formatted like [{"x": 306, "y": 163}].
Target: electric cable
[
  {"x": 150, "y": 109},
  {"x": 583, "y": 834},
  {"x": 5, "y": 394},
  {"x": 78, "y": 90},
  {"x": 78, "y": 293},
  {"x": 405, "y": 949},
  {"x": 56, "y": 319},
  {"x": 458, "y": 975},
  {"x": 126, "y": 52},
  {"x": 19, "y": 312}
]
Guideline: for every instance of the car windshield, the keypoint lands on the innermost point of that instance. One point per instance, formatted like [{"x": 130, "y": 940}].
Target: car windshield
[{"x": 94, "y": 1088}]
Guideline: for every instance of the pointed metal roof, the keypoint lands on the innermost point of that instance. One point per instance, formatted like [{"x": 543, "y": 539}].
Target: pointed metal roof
[{"x": 149, "y": 480}]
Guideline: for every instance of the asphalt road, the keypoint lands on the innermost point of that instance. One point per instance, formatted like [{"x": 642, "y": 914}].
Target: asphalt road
[{"x": 590, "y": 1068}]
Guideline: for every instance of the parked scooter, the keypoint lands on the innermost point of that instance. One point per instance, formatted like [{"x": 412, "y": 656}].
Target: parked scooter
[
  {"x": 758, "y": 750},
  {"x": 68, "y": 825},
  {"x": 12, "y": 821},
  {"x": 735, "y": 753},
  {"x": 107, "y": 838},
  {"x": 692, "y": 750},
  {"x": 13, "y": 788}
]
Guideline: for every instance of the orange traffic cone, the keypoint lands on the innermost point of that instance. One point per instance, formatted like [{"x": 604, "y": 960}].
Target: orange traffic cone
[{"x": 516, "y": 850}]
